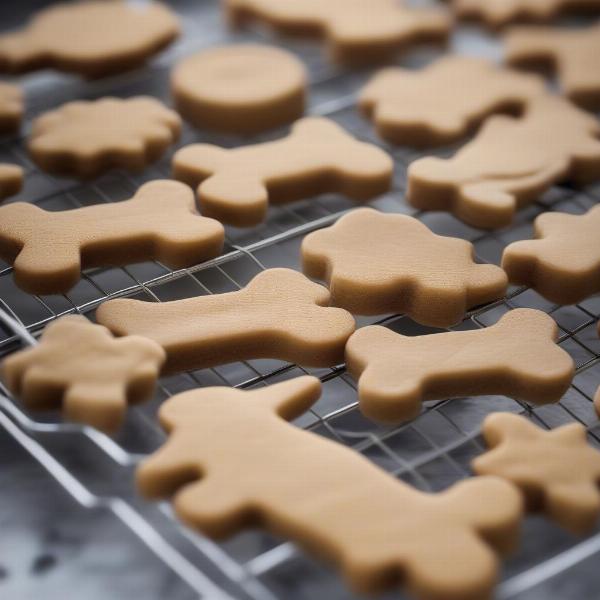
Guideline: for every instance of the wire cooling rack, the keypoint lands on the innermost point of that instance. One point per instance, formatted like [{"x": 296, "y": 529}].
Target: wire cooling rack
[{"x": 430, "y": 453}]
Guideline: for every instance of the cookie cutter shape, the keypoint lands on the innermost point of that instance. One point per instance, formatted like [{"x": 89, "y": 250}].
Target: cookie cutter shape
[
  {"x": 404, "y": 104},
  {"x": 356, "y": 31},
  {"x": 496, "y": 13},
  {"x": 279, "y": 314},
  {"x": 11, "y": 180},
  {"x": 516, "y": 357},
  {"x": 235, "y": 186},
  {"x": 557, "y": 471},
  {"x": 376, "y": 263},
  {"x": 49, "y": 249},
  {"x": 572, "y": 52},
  {"x": 376, "y": 531},
  {"x": 509, "y": 164},
  {"x": 80, "y": 366},
  {"x": 85, "y": 138},
  {"x": 563, "y": 262},
  {"x": 90, "y": 37},
  {"x": 11, "y": 107},
  {"x": 241, "y": 89}
]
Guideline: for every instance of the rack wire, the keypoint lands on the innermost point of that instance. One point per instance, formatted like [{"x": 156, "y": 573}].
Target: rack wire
[{"x": 430, "y": 453}]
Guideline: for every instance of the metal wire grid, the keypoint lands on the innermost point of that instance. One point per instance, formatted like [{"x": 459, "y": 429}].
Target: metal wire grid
[{"x": 430, "y": 453}]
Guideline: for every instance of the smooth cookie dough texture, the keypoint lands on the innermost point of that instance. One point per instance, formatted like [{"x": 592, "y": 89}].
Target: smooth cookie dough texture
[
  {"x": 405, "y": 104},
  {"x": 563, "y": 262},
  {"x": 236, "y": 185},
  {"x": 516, "y": 357},
  {"x": 241, "y": 89},
  {"x": 90, "y": 37},
  {"x": 11, "y": 180},
  {"x": 81, "y": 366},
  {"x": 49, "y": 249},
  {"x": 376, "y": 263},
  {"x": 232, "y": 462},
  {"x": 557, "y": 471},
  {"x": 573, "y": 53},
  {"x": 85, "y": 138},
  {"x": 357, "y": 31}
]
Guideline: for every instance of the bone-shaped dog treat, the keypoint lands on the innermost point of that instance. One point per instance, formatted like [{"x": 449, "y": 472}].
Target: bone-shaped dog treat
[
  {"x": 405, "y": 104},
  {"x": 49, "y": 249},
  {"x": 279, "y": 314},
  {"x": 517, "y": 357},
  {"x": 496, "y": 13},
  {"x": 11, "y": 180},
  {"x": 85, "y": 138},
  {"x": 573, "y": 53},
  {"x": 80, "y": 366},
  {"x": 90, "y": 37},
  {"x": 11, "y": 107},
  {"x": 557, "y": 471},
  {"x": 509, "y": 164},
  {"x": 318, "y": 156},
  {"x": 376, "y": 263},
  {"x": 357, "y": 31},
  {"x": 563, "y": 263},
  {"x": 232, "y": 462}
]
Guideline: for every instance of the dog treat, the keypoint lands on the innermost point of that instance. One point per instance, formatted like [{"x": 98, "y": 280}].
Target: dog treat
[
  {"x": 11, "y": 180},
  {"x": 405, "y": 104},
  {"x": 509, "y": 164},
  {"x": 557, "y": 471},
  {"x": 376, "y": 263},
  {"x": 516, "y": 357},
  {"x": 563, "y": 263},
  {"x": 86, "y": 138},
  {"x": 80, "y": 366},
  {"x": 90, "y": 37},
  {"x": 235, "y": 186},
  {"x": 11, "y": 107},
  {"x": 243, "y": 89},
  {"x": 232, "y": 462},
  {"x": 49, "y": 249},
  {"x": 572, "y": 52},
  {"x": 357, "y": 31},
  {"x": 280, "y": 314},
  {"x": 496, "y": 13}
]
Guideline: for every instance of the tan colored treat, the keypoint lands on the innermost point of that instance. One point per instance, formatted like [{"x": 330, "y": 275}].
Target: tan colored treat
[
  {"x": 11, "y": 180},
  {"x": 232, "y": 462},
  {"x": 90, "y": 37},
  {"x": 11, "y": 107},
  {"x": 280, "y": 314},
  {"x": 557, "y": 471},
  {"x": 496, "y": 13},
  {"x": 563, "y": 262},
  {"x": 318, "y": 156},
  {"x": 85, "y": 138},
  {"x": 80, "y": 366},
  {"x": 405, "y": 104},
  {"x": 516, "y": 357},
  {"x": 357, "y": 31},
  {"x": 574, "y": 54},
  {"x": 509, "y": 164},
  {"x": 376, "y": 263},
  {"x": 49, "y": 249},
  {"x": 244, "y": 89}
]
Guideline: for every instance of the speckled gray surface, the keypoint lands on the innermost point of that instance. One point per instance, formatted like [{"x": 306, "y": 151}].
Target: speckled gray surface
[{"x": 79, "y": 532}]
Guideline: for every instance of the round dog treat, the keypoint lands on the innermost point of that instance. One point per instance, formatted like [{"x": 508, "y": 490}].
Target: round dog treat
[
  {"x": 83, "y": 139},
  {"x": 240, "y": 89},
  {"x": 90, "y": 37}
]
